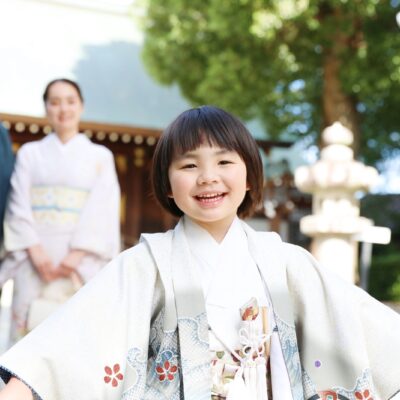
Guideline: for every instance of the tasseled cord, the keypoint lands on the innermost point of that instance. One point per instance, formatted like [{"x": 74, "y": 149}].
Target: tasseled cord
[{"x": 250, "y": 382}]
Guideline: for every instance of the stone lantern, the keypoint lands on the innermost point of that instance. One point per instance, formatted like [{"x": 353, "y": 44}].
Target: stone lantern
[{"x": 336, "y": 224}]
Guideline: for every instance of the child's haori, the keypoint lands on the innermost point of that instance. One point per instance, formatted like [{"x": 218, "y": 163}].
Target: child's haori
[{"x": 211, "y": 309}]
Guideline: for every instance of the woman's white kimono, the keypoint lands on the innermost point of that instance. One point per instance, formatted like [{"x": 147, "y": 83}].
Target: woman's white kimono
[
  {"x": 63, "y": 196},
  {"x": 139, "y": 330}
]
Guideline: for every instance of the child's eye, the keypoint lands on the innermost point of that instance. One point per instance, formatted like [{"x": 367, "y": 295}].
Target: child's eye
[
  {"x": 189, "y": 166},
  {"x": 225, "y": 162}
]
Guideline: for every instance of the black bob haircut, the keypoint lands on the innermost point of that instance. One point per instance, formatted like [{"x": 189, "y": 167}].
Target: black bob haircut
[
  {"x": 217, "y": 127},
  {"x": 62, "y": 80}
]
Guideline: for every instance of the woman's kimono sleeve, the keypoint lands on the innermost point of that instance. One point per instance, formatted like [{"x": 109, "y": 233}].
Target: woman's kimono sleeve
[
  {"x": 85, "y": 350},
  {"x": 19, "y": 225},
  {"x": 98, "y": 228}
]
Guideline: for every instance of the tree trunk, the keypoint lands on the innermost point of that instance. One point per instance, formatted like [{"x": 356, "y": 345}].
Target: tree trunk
[{"x": 337, "y": 105}]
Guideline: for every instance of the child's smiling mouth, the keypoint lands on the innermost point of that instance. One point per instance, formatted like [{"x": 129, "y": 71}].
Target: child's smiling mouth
[{"x": 210, "y": 198}]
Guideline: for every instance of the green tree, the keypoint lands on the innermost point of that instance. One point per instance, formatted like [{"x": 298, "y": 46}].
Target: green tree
[{"x": 297, "y": 65}]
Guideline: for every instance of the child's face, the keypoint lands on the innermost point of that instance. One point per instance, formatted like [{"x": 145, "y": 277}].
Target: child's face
[{"x": 208, "y": 184}]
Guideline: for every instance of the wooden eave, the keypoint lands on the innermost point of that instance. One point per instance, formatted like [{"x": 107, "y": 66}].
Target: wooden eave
[
  {"x": 25, "y": 128},
  {"x": 36, "y": 127}
]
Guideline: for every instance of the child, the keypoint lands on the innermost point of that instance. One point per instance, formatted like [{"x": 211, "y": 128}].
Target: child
[{"x": 211, "y": 309}]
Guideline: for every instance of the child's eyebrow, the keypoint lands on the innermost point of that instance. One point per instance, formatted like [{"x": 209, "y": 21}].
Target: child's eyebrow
[
  {"x": 223, "y": 151},
  {"x": 192, "y": 154}
]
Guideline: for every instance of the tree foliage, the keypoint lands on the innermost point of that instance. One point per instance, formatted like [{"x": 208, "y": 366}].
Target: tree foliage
[{"x": 297, "y": 65}]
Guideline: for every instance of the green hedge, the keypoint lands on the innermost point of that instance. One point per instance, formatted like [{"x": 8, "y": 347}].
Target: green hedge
[{"x": 384, "y": 277}]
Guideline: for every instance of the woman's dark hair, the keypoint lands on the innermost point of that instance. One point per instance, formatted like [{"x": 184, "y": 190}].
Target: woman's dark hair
[
  {"x": 217, "y": 127},
  {"x": 63, "y": 80}
]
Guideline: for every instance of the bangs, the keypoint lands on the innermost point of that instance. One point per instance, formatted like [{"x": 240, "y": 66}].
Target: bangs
[{"x": 195, "y": 129}]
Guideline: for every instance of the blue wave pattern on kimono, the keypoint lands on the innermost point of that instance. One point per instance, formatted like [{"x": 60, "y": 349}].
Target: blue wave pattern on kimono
[
  {"x": 193, "y": 337},
  {"x": 310, "y": 392},
  {"x": 287, "y": 334},
  {"x": 161, "y": 376},
  {"x": 138, "y": 362},
  {"x": 149, "y": 383},
  {"x": 363, "y": 385}
]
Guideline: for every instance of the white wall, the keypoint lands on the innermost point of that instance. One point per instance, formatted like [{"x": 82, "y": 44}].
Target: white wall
[{"x": 95, "y": 42}]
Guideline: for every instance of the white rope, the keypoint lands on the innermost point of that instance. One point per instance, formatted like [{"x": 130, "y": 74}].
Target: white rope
[
  {"x": 250, "y": 381},
  {"x": 253, "y": 342}
]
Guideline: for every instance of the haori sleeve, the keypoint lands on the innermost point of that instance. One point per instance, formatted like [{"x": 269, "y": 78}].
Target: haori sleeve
[
  {"x": 96, "y": 345},
  {"x": 381, "y": 335},
  {"x": 19, "y": 224},
  {"x": 98, "y": 228},
  {"x": 357, "y": 344}
]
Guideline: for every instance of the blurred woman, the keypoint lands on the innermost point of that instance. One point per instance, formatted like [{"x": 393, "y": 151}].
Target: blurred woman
[{"x": 62, "y": 220}]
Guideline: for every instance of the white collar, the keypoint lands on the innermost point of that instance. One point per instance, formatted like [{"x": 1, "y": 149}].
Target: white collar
[
  {"x": 76, "y": 140},
  {"x": 204, "y": 246}
]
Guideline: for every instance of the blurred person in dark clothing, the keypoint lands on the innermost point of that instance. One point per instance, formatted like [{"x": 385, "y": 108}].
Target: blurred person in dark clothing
[{"x": 6, "y": 168}]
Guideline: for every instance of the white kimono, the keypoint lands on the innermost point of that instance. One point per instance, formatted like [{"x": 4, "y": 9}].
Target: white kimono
[
  {"x": 230, "y": 278},
  {"x": 63, "y": 196},
  {"x": 139, "y": 330}
]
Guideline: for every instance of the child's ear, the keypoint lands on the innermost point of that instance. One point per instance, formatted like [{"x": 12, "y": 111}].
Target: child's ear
[
  {"x": 169, "y": 191},
  {"x": 248, "y": 187}
]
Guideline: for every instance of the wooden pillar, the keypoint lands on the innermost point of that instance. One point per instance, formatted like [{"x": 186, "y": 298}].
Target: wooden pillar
[{"x": 134, "y": 196}]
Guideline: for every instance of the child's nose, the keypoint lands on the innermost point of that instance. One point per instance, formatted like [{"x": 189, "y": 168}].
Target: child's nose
[{"x": 207, "y": 176}]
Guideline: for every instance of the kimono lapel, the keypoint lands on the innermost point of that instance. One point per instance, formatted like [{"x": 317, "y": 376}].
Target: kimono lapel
[
  {"x": 160, "y": 247},
  {"x": 266, "y": 249},
  {"x": 189, "y": 298},
  {"x": 192, "y": 321},
  {"x": 272, "y": 269},
  {"x": 184, "y": 310}
]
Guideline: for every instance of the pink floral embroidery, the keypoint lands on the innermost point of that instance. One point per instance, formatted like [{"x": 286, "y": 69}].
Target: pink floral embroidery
[
  {"x": 113, "y": 375},
  {"x": 166, "y": 370},
  {"x": 328, "y": 395},
  {"x": 365, "y": 395}
]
